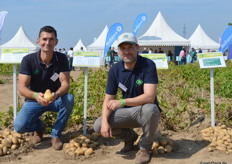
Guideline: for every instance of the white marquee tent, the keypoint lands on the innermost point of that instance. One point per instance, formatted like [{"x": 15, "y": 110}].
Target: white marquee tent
[
  {"x": 20, "y": 40},
  {"x": 79, "y": 45},
  {"x": 99, "y": 44},
  {"x": 199, "y": 39},
  {"x": 161, "y": 34}
]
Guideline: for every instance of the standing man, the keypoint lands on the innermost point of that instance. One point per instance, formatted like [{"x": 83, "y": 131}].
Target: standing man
[
  {"x": 193, "y": 54},
  {"x": 70, "y": 56},
  {"x": 38, "y": 72},
  {"x": 136, "y": 77},
  {"x": 111, "y": 53}
]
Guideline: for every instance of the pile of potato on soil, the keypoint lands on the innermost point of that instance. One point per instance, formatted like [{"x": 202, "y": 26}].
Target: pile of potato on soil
[
  {"x": 85, "y": 145},
  {"x": 162, "y": 145},
  {"x": 10, "y": 141},
  {"x": 82, "y": 145},
  {"x": 220, "y": 137}
]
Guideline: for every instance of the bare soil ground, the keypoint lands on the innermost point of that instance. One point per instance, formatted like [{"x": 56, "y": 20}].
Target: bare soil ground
[{"x": 189, "y": 148}]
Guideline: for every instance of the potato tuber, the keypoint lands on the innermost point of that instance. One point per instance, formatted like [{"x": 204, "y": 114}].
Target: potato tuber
[{"x": 48, "y": 95}]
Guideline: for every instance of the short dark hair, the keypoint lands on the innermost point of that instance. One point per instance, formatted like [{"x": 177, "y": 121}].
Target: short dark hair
[{"x": 48, "y": 29}]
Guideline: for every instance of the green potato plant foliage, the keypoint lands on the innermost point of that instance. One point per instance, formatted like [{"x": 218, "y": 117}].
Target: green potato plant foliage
[{"x": 183, "y": 94}]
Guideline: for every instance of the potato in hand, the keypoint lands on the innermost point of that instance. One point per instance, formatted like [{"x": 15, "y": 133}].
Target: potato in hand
[{"x": 48, "y": 95}]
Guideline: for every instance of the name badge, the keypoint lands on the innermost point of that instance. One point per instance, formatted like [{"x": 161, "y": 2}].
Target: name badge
[
  {"x": 54, "y": 77},
  {"x": 120, "y": 85}
]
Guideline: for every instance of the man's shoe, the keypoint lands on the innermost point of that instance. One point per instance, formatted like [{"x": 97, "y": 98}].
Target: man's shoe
[
  {"x": 143, "y": 156},
  {"x": 38, "y": 137},
  {"x": 129, "y": 144},
  {"x": 57, "y": 144}
]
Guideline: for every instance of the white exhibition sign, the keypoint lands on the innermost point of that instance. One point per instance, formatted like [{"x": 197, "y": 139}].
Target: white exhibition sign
[
  {"x": 160, "y": 60},
  {"x": 86, "y": 59},
  {"x": 211, "y": 60},
  {"x": 13, "y": 55}
]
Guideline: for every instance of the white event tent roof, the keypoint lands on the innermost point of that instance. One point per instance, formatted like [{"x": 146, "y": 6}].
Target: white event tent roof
[
  {"x": 199, "y": 39},
  {"x": 20, "y": 40},
  {"x": 161, "y": 34},
  {"x": 99, "y": 43},
  {"x": 79, "y": 45}
]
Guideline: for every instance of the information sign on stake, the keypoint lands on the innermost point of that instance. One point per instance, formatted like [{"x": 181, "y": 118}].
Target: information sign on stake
[
  {"x": 13, "y": 56},
  {"x": 160, "y": 60},
  {"x": 86, "y": 59},
  {"x": 211, "y": 60}
]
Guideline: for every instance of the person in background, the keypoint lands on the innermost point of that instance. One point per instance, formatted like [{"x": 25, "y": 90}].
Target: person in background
[
  {"x": 70, "y": 55},
  {"x": 170, "y": 54},
  {"x": 193, "y": 55},
  {"x": 160, "y": 50},
  {"x": 64, "y": 52},
  {"x": 182, "y": 56},
  {"x": 38, "y": 72},
  {"x": 150, "y": 51},
  {"x": 145, "y": 50},
  {"x": 111, "y": 53},
  {"x": 137, "y": 78},
  {"x": 199, "y": 50}
]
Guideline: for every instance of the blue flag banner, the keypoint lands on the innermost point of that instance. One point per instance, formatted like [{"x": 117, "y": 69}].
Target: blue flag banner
[
  {"x": 139, "y": 21},
  {"x": 226, "y": 39},
  {"x": 230, "y": 52},
  {"x": 2, "y": 17},
  {"x": 113, "y": 33}
]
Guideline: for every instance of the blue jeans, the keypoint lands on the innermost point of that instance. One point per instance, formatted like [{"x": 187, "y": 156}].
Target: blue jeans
[{"x": 28, "y": 120}]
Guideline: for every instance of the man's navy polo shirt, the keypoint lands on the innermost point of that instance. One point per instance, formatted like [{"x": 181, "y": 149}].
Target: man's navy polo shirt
[
  {"x": 131, "y": 82},
  {"x": 41, "y": 74}
]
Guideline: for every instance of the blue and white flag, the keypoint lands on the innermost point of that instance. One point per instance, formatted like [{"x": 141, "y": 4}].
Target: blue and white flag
[
  {"x": 226, "y": 39},
  {"x": 230, "y": 52},
  {"x": 113, "y": 33},
  {"x": 139, "y": 21},
  {"x": 2, "y": 17}
]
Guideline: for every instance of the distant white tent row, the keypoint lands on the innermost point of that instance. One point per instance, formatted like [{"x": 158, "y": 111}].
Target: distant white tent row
[
  {"x": 20, "y": 40},
  {"x": 160, "y": 34}
]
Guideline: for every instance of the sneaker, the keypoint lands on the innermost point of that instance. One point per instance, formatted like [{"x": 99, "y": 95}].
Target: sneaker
[
  {"x": 143, "y": 156},
  {"x": 38, "y": 137},
  {"x": 129, "y": 144},
  {"x": 57, "y": 144}
]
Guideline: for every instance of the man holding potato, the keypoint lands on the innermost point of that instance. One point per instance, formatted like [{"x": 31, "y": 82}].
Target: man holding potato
[
  {"x": 136, "y": 77},
  {"x": 41, "y": 71}
]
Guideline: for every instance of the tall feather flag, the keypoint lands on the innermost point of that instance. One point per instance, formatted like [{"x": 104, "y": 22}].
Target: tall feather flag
[
  {"x": 226, "y": 39},
  {"x": 2, "y": 18},
  {"x": 230, "y": 52},
  {"x": 139, "y": 21},
  {"x": 113, "y": 33}
]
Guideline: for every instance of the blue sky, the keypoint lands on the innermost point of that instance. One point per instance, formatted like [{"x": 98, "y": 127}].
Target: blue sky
[{"x": 85, "y": 19}]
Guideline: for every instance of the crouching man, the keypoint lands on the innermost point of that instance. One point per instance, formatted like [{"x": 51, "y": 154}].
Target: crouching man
[
  {"x": 137, "y": 78},
  {"x": 38, "y": 72}
]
